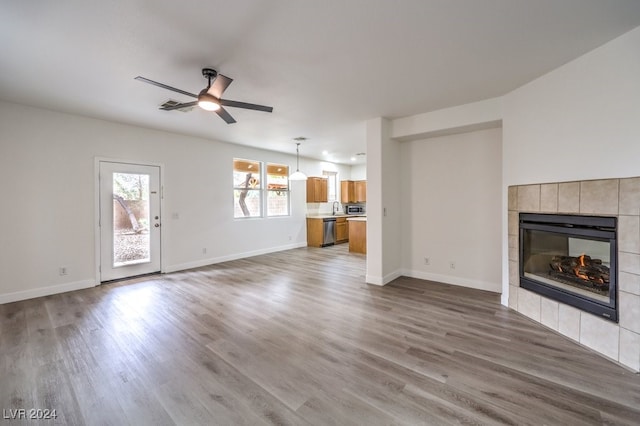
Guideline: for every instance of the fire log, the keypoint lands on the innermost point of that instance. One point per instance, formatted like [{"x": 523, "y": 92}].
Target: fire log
[{"x": 583, "y": 267}]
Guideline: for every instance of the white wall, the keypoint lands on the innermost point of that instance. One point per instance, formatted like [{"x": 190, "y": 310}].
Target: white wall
[
  {"x": 359, "y": 172},
  {"x": 383, "y": 203},
  {"x": 451, "y": 209},
  {"x": 47, "y": 214},
  {"x": 579, "y": 122},
  {"x": 391, "y": 208},
  {"x": 479, "y": 115}
]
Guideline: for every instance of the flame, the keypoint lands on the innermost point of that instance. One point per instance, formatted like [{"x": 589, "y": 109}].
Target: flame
[{"x": 577, "y": 271}]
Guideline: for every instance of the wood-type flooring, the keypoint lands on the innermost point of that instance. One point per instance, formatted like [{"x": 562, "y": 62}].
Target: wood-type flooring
[{"x": 297, "y": 338}]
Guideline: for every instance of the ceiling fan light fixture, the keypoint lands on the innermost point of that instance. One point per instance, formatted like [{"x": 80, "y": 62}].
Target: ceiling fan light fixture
[
  {"x": 210, "y": 98},
  {"x": 208, "y": 102}
]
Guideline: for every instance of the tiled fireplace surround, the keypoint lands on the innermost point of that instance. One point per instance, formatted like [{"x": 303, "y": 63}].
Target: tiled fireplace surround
[{"x": 609, "y": 197}]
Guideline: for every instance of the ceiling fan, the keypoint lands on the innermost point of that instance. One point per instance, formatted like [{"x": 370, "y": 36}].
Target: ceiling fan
[{"x": 209, "y": 98}]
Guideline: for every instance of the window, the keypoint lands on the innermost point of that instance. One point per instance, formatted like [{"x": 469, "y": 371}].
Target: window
[
  {"x": 332, "y": 184},
  {"x": 251, "y": 197},
  {"x": 247, "y": 188},
  {"x": 277, "y": 190}
]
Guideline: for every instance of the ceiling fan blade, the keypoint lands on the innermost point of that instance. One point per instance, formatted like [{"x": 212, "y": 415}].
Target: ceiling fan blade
[
  {"x": 179, "y": 106},
  {"x": 222, "y": 113},
  {"x": 219, "y": 85},
  {"x": 245, "y": 105},
  {"x": 164, "y": 86}
]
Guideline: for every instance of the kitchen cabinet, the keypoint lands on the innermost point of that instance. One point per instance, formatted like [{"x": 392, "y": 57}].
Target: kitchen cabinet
[
  {"x": 317, "y": 189},
  {"x": 342, "y": 230},
  {"x": 314, "y": 232},
  {"x": 321, "y": 231},
  {"x": 358, "y": 235},
  {"x": 353, "y": 191},
  {"x": 347, "y": 191},
  {"x": 361, "y": 191}
]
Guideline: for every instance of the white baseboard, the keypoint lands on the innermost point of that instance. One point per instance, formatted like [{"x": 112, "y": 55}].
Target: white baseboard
[
  {"x": 370, "y": 279},
  {"x": 448, "y": 279},
  {"x": 45, "y": 291},
  {"x": 504, "y": 299},
  {"x": 214, "y": 260}
]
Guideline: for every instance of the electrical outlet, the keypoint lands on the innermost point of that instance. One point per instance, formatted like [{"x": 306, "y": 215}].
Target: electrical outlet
[
  {"x": 289, "y": 237},
  {"x": 452, "y": 265},
  {"x": 204, "y": 250},
  {"x": 63, "y": 270},
  {"x": 427, "y": 261}
]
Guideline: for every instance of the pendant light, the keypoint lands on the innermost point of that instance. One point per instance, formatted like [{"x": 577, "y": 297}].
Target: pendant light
[{"x": 298, "y": 175}]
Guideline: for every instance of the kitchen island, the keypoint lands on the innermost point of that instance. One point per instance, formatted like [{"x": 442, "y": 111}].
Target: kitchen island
[{"x": 357, "y": 234}]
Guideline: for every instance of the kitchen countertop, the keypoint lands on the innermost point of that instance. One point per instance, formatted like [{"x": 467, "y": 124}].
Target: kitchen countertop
[
  {"x": 358, "y": 219},
  {"x": 326, "y": 216}
]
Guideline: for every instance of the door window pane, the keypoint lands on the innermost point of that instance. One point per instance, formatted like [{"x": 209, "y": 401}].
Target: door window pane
[{"x": 131, "y": 242}]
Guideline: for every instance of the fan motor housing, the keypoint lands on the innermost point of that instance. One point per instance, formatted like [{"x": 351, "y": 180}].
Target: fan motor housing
[{"x": 209, "y": 73}]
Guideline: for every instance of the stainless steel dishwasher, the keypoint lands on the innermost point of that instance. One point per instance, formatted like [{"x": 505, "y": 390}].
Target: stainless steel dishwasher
[{"x": 328, "y": 231}]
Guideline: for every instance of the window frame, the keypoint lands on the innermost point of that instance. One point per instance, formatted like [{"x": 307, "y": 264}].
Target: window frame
[
  {"x": 262, "y": 188},
  {"x": 330, "y": 174},
  {"x": 259, "y": 190},
  {"x": 268, "y": 190}
]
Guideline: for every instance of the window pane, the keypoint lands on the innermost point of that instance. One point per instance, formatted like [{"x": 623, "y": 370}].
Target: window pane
[
  {"x": 246, "y": 174},
  {"x": 332, "y": 185},
  {"x": 247, "y": 194},
  {"x": 278, "y": 190},
  {"x": 247, "y": 202},
  {"x": 277, "y": 203},
  {"x": 277, "y": 176},
  {"x": 131, "y": 243}
]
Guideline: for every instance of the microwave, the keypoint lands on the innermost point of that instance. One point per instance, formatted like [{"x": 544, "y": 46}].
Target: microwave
[{"x": 353, "y": 209}]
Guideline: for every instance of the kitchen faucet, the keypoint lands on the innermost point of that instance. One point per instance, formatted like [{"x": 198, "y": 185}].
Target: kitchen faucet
[{"x": 335, "y": 208}]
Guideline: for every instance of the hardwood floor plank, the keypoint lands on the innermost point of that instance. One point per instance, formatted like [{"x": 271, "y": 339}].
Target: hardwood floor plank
[
  {"x": 297, "y": 337},
  {"x": 338, "y": 408}
]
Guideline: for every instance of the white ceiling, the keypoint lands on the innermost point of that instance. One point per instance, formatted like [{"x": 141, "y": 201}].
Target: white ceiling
[{"x": 325, "y": 66}]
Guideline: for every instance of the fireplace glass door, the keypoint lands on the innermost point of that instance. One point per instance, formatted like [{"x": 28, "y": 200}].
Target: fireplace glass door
[{"x": 571, "y": 259}]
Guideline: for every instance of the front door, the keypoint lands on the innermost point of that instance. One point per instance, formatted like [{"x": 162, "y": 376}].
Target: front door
[{"x": 129, "y": 220}]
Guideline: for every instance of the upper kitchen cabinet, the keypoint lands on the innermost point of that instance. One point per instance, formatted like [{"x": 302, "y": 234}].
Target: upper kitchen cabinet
[
  {"x": 353, "y": 191},
  {"x": 347, "y": 191},
  {"x": 317, "y": 190},
  {"x": 361, "y": 191}
]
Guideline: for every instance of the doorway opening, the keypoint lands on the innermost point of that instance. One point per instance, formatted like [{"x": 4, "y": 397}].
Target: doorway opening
[{"x": 129, "y": 220}]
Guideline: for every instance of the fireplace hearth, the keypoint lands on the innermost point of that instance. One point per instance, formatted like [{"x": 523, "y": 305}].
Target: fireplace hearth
[{"x": 571, "y": 259}]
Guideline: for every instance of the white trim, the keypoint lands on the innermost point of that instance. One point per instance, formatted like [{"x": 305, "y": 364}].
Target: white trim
[
  {"x": 45, "y": 291},
  {"x": 504, "y": 299},
  {"x": 374, "y": 280},
  {"x": 214, "y": 260},
  {"x": 383, "y": 280},
  {"x": 448, "y": 279},
  {"x": 96, "y": 206}
]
